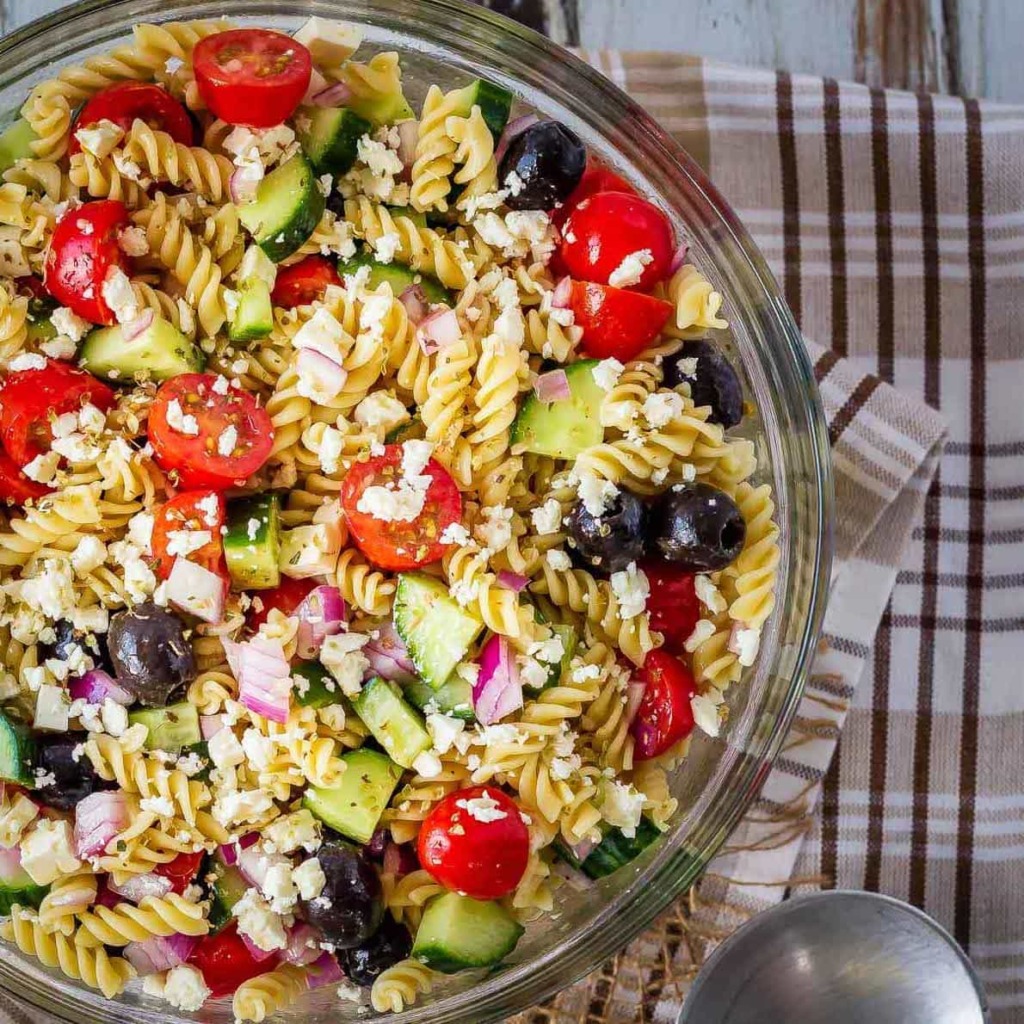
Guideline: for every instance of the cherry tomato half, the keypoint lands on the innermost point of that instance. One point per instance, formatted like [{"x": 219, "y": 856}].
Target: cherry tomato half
[
  {"x": 285, "y": 597},
  {"x": 616, "y": 322},
  {"x": 15, "y": 487},
  {"x": 468, "y": 852},
  {"x": 596, "y": 178},
  {"x": 672, "y": 603},
  {"x": 304, "y": 282},
  {"x": 606, "y": 228},
  {"x": 181, "y": 871},
  {"x": 125, "y": 102},
  {"x": 399, "y": 544},
  {"x": 191, "y": 511},
  {"x": 225, "y": 961},
  {"x": 252, "y": 76},
  {"x": 210, "y": 439},
  {"x": 31, "y": 399},
  {"x": 664, "y": 716},
  {"x": 83, "y": 251}
]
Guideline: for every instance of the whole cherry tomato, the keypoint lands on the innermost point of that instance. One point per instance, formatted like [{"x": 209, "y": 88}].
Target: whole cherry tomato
[
  {"x": 665, "y": 715},
  {"x": 252, "y": 76},
  {"x": 398, "y": 543},
  {"x": 672, "y": 604},
  {"x": 616, "y": 322},
  {"x": 83, "y": 251},
  {"x": 126, "y": 102},
  {"x": 596, "y": 178},
  {"x": 607, "y": 228},
  {"x": 475, "y": 842}
]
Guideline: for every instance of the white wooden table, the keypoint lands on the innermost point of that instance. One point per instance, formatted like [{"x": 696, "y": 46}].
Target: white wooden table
[{"x": 971, "y": 47}]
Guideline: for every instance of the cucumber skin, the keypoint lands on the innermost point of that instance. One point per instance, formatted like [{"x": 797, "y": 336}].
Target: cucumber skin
[
  {"x": 494, "y": 101},
  {"x": 338, "y": 156},
  {"x": 243, "y": 569},
  {"x": 435, "y": 953},
  {"x": 30, "y": 895},
  {"x": 398, "y": 276},
  {"x": 255, "y": 316},
  {"x": 613, "y": 852},
  {"x": 445, "y": 697},
  {"x": 317, "y": 695},
  {"x": 307, "y": 209},
  {"x": 401, "y": 722},
  {"x": 18, "y": 736}
]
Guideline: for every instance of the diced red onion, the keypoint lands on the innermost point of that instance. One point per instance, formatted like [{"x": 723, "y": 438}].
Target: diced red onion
[
  {"x": 325, "y": 371},
  {"x": 634, "y": 695},
  {"x": 378, "y": 842},
  {"x": 303, "y": 945},
  {"x": 498, "y": 690},
  {"x": 583, "y": 849},
  {"x": 388, "y": 656},
  {"x": 160, "y": 953},
  {"x": 512, "y": 129},
  {"x": 210, "y": 725},
  {"x": 324, "y": 971},
  {"x": 317, "y": 83},
  {"x": 98, "y": 818},
  {"x": 415, "y": 303},
  {"x": 131, "y": 330},
  {"x": 10, "y": 862},
  {"x": 96, "y": 686},
  {"x": 512, "y": 580},
  {"x": 408, "y": 135},
  {"x": 254, "y": 864},
  {"x": 561, "y": 297},
  {"x": 196, "y": 590},
  {"x": 244, "y": 183},
  {"x": 104, "y": 896},
  {"x": 321, "y": 614},
  {"x": 552, "y": 387},
  {"x": 259, "y": 955},
  {"x": 679, "y": 256},
  {"x": 137, "y": 887},
  {"x": 336, "y": 95},
  {"x": 264, "y": 677},
  {"x": 438, "y": 331},
  {"x": 229, "y": 851}
]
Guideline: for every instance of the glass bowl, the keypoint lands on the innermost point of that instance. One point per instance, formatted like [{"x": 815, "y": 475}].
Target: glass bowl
[{"x": 448, "y": 41}]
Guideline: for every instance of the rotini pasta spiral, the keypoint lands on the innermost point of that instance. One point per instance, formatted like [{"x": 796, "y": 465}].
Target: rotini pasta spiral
[
  {"x": 155, "y": 915},
  {"x": 191, "y": 167},
  {"x": 257, "y": 999},
  {"x": 68, "y": 897},
  {"x": 400, "y": 986}
]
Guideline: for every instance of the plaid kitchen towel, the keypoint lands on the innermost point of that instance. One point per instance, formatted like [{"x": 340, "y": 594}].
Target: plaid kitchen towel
[{"x": 895, "y": 223}]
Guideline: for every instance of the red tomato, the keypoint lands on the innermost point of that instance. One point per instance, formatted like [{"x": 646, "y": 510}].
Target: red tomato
[
  {"x": 208, "y": 458},
  {"x": 664, "y": 716},
  {"x": 83, "y": 250},
  {"x": 607, "y": 227},
  {"x": 33, "y": 287},
  {"x": 304, "y": 282},
  {"x": 252, "y": 76},
  {"x": 672, "y": 604},
  {"x": 181, "y": 871},
  {"x": 483, "y": 859},
  {"x": 616, "y": 322},
  {"x": 398, "y": 544},
  {"x": 15, "y": 487},
  {"x": 31, "y": 399},
  {"x": 185, "y": 513},
  {"x": 596, "y": 178},
  {"x": 285, "y": 597},
  {"x": 225, "y": 961},
  {"x": 125, "y": 102}
]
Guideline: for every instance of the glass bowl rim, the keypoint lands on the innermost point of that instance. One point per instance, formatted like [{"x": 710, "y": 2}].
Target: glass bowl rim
[{"x": 672, "y": 869}]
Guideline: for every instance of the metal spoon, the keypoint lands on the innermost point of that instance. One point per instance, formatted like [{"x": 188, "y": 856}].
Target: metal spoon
[{"x": 838, "y": 958}]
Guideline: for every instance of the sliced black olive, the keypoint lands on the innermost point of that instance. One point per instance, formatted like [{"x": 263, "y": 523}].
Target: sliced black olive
[
  {"x": 351, "y": 906},
  {"x": 712, "y": 380},
  {"x": 364, "y": 964},
  {"x": 548, "y": 159},
  {"x": 698, "y": 527},
  {"x": 152, "y": 658},
  {"x": 612, "y": 540},
  {"x": 73, "y": 778}
]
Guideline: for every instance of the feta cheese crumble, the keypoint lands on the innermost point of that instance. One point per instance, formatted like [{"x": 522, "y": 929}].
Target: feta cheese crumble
[
  {"x": 631, "y": 269},
  {"x": 631, "y": 590},
  {"x": 483, "y": 808}
]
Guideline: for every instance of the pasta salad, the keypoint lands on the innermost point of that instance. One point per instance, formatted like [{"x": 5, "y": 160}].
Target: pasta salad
[{"x": 374, "y": 534}]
